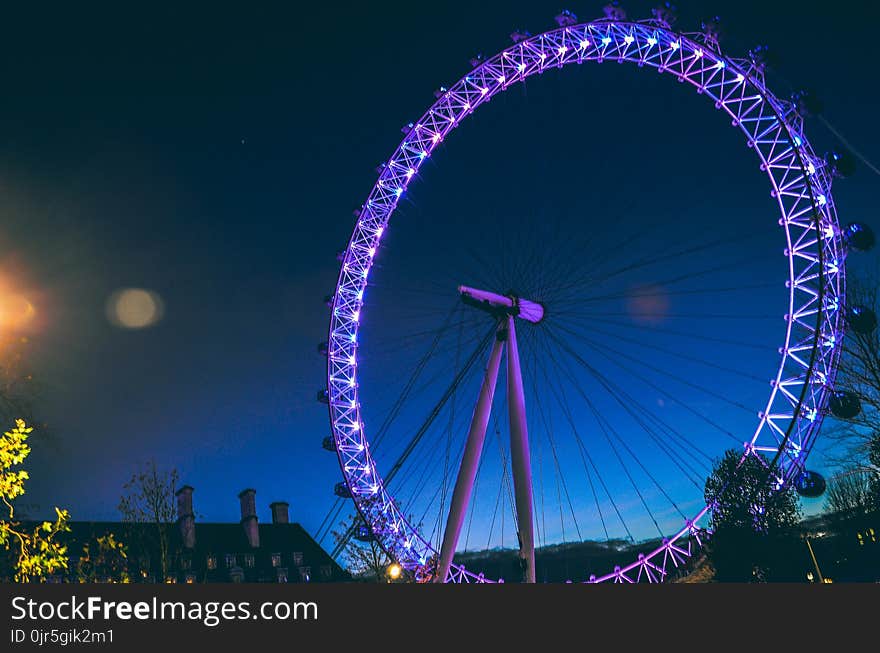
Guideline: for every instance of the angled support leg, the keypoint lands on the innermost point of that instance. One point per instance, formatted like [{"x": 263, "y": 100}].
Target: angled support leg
[
  {"x": 470, "y": 461},
  {"x": 519, "y": 456}
]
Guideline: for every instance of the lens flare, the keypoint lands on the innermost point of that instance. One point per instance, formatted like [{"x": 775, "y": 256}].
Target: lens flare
[
  {"x": 134, "y": 308},
  {"x": 648, "y": 304},
  {"x": 16, "y": 312}
]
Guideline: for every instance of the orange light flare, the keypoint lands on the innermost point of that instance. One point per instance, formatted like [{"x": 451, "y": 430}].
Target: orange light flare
[
  {"x": 648, "y": 304},
  {"x": 19, "y": 314}
]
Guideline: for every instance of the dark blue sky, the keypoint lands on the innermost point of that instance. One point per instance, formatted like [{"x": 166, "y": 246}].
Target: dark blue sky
[{"x": 215, "y": 156}]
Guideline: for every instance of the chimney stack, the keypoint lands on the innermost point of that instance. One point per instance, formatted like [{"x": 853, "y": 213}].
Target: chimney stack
[
  {"x": 248, "y": 500},
  {"x": 279, "y": 512},
  {"x": 186, "y": 519}
]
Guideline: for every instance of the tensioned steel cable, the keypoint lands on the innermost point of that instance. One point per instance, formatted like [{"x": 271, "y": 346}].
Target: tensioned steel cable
[
  {"x": 424, "y": 428},
  {"x": 562, "y": 399},
  {"x": 610, "y": 428},
  {"x": 664, "y": 255},
  {"x": 668, "y": 352},
  {"x": 581, "y": 447},
  {"x": 339, "y": 503},
  {"x": 683, "y": 465},
  {"x": 549, "y": 433},
  {"x": 599, "y": 347},
  {"x": 617, "y": 392},
  {"x": 664, "y": 292},
  {"x": 683, "y": 381},
  {"x": 653, "y": 329},
  {"x": 446, "y": 459}
]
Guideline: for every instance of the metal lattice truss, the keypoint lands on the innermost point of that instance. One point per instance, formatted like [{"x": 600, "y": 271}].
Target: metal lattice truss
[{"x": 799, "y": 181}]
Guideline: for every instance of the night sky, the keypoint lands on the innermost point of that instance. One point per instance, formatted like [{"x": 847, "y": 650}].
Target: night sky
[{"x": 214, "y": 157}]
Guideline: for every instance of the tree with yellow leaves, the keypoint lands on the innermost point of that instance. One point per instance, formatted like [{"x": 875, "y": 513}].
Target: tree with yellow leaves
[
  {"x": 35, "y": 553},
  {"x": 103, "y": 560}
]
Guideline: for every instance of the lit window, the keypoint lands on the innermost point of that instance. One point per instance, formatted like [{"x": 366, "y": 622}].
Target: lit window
[
  {"x": 297, "y": 558},
  {"x": 212, "y": 562},
  {"x": 276, "y": 559},
  {"x": 230, "y": 560},
  {"x": 282, "y": 575},
  {"x": 248, "y": 559},
  {"x": 305, "y": 574}
]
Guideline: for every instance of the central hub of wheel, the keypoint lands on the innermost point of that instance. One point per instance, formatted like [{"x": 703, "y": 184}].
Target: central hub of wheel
[{"x": 502, "y": 304}]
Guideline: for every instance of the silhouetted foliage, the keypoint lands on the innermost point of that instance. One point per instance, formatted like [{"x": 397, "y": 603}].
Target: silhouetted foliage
[
  {"x": 365, "y": 560},
  {"x": 149, "y": 498},
  {"x": 103, "y": 559},
  {"x": 852, "y": 493},
  {"x": 753, "y": 525},
  {"x": 857, "y": 440}
]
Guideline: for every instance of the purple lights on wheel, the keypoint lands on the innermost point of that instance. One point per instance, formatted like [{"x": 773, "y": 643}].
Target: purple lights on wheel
[{"x": 800, "y": 182}]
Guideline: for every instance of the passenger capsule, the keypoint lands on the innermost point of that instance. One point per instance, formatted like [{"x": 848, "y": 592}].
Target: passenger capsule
[
  {"x": 341, "y": 490},
  {"x": 844, "y": 405},
  {"x": 810, "y": 484},
  {"x": 328, "y": 443},
  {"x": 862, "y": 320},
  {"x": 841, "y": 164},
  {"x": 565, "y": 18},
  {"x": 711, "y": 27},
  {"x": 665, "y": 13},
  {"x": 364, "y": 533},
  {"x": 859, "y": 237},
  {"x": 763, "y": 57},
  {"x": 806, "y": 104},
  {"x": 613, "y": 11}
]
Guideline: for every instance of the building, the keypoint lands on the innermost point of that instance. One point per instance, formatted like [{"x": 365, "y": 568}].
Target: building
[{"x": 247, "y": 551}]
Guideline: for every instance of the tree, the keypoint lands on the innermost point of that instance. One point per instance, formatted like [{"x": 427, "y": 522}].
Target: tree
[
  {"x": 851, "y": 493},
  {"x": 367, "y": 561},
  {"x": 752, "y": 523},
  {"x": 104, "y": 559},
  {"x": 859, "y": 373},
  {"x": 856, "y": 450},
  {"x": 34, "y": 552},
  {"x": 149, "y": 498}
]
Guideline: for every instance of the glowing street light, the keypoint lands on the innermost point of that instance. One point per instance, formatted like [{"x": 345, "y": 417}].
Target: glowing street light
[{"x": 394, "y": 571}]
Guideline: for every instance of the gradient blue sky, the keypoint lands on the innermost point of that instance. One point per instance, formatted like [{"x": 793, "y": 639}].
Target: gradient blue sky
[{"x": 215, "y": 156}]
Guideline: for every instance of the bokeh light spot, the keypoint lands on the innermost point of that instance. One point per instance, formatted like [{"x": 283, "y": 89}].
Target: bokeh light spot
[
  {"x": 648, "y": 304},
  {"x": 134, "y": 308}
]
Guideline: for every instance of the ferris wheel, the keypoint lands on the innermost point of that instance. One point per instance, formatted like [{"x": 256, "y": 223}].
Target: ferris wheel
[{"x": 573, "y": 348}]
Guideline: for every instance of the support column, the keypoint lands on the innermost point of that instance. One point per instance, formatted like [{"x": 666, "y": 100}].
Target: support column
[
  {"x": 470, "y": 461},
  {"x": 520, "y": 458}
]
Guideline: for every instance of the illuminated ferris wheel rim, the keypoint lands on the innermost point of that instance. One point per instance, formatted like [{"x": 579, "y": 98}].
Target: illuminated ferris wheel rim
[{"x": 800, "y": 182}]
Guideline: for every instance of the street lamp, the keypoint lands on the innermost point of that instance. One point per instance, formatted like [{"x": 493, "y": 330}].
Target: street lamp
[
  {"x": 394, "y": 571},
  {"x": 822, "y": 579}
]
